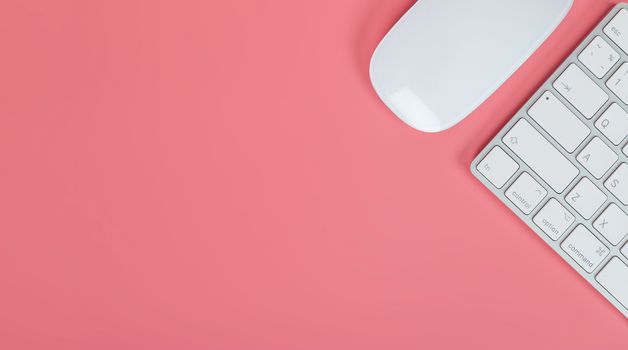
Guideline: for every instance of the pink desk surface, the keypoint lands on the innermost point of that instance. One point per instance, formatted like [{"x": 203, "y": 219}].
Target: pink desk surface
[{"x": 220, "y": 175}]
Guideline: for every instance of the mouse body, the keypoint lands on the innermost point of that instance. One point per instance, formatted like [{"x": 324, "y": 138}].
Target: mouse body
[{"x": 443, "y": 58}]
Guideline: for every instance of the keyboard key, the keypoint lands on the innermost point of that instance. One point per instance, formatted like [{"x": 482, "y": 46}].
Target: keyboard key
[
  {"x": 614, "y": 124},
  {"x": 554, "y": 219},
  {"x": 614, "y": 278},
  {"x": 498, "y": 167},
  {"x": 585, "y": 249},
  {"x": 558, "y": 121},
  {"x": 612, "y": 224},
  {"x": 625, "y": 250},
  {"x": 617, "y": 30},
  {"x": 539, "y": 154},
  {"x": 626, "y": 150},
  {"x": 597, "y": 157},
  {"x": 599, "y": 57},
  {"x": 526, "y": 193},
  {"x": 586, "y": 198},
  {"x": 618, "y": 83},
  {"x": 584, "y": 94},
  {"x": 618, "y": 183}
]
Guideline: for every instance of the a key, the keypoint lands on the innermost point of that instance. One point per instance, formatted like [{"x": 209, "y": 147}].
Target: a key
[
  {"x": 618, "y": 83},
  {"x": 540, "y": 155},
  {"x": 498, "y": 167},
  {"x": 599, "y": 57},
  {"x": 617, "y": 30},
  {"x": 585, "y": 248},
  {"x": 526, "y": 193},
  {"x": 618, "y": 183},
  {"x": 612, "y": 224},
  {"x": 554, "y": 219},
  {"x": 597, "y": 157},
  {"x": 586, "y": 198},
  {"x": 614, "y": 278},
  {"x": 614, "y": 124},
  {"x": 555, "y": 118},
  {"x": 577, "y": 88}
]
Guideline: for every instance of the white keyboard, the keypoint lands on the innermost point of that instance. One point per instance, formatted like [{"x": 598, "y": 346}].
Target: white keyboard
[{"x": 561, "y": 163}]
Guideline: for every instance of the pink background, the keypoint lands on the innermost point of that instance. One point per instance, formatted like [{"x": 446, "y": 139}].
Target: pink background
[{"x": 220, "y": 175}]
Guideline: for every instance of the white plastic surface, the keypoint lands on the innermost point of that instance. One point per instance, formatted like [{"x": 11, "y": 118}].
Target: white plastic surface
[
  {"x": 445, "y": 57},
  {"x": 586, "y": 222},
  {"x": 498, "y": 167},
  {"x": 614, "y": 278}
]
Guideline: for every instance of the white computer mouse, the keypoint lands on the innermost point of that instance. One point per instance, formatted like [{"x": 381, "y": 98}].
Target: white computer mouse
[{"x": 445, "y": 57}]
